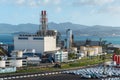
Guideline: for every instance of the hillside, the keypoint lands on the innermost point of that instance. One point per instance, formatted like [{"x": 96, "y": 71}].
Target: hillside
[{"x": 77, "y": 28}]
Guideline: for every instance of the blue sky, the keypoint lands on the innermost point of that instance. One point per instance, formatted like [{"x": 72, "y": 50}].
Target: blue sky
[{"x": 85, "y": 12}]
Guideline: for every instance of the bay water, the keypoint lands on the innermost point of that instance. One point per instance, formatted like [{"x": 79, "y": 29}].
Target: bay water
[{"x": 8, "y": 38}]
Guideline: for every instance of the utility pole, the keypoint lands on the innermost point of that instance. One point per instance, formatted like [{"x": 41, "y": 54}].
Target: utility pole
[{"x": 104, "y": 66}]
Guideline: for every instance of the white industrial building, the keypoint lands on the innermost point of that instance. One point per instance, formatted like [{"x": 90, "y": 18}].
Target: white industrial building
[
  {"x": 39, "y": 43},
  {"x": 42, "y": 41},
  {"x": 61, "y": 56},
  {"x": 12, "y": 63}
]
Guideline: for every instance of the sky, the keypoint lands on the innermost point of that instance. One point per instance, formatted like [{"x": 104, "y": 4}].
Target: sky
[{"x": 85, "y": 12}]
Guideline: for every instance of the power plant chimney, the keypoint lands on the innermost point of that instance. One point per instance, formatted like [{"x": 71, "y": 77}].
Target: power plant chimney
[{"x": 44, "y": 21}]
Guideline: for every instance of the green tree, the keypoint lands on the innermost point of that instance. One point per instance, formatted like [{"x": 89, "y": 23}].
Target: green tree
[
  {"x": 71, "y": 56},
  {"x": 117, "y": 51}
]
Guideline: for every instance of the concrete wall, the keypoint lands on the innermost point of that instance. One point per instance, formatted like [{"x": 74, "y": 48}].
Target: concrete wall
[
  {"x": 16, "y": 63},
  {"x": 38, "y": 45},
  {"x": 47, "y": 43},
  {"x": 50, "y": 43},
  {"x": 2, "y": 64}
]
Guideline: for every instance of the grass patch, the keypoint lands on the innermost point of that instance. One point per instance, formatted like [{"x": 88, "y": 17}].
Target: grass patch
[{"x": 78, "y": 63}]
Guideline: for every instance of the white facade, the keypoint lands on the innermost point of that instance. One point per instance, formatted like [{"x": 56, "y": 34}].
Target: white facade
[
  {"x": 11, "y": 63},
  {"x": 2, "y": 64},
  {"x": 61, "y": 56},
  {"x": 39, "y": 43},
  {"x": 50, "y": 43},
  {"x": 16, "y": 63}
]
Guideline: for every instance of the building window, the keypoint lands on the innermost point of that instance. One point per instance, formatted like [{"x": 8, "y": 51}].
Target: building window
[
  {"x": 37, "y": 38},
  {"x": 23, "y": 38}
]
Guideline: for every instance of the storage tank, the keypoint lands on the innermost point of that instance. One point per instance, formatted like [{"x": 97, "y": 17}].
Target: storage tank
[
  {"x": 82, "y": 48},
  {"x": 96, "y": 50},
  {"x": 19, "y": 54},
  {"x": 116, "y": 58}
]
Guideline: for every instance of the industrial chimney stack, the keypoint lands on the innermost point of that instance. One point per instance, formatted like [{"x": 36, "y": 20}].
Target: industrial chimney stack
[{"x": 44, "y": 22}]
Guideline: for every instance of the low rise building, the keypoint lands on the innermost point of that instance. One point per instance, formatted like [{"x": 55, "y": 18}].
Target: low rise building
[{"x": 61, "y": 56}]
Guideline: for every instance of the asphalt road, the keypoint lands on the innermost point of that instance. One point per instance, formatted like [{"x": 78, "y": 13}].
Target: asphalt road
[{"x": 56, "y": 77}]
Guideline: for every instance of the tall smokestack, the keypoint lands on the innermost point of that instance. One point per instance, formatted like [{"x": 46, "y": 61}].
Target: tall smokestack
[{"x": 44, "y": 22}]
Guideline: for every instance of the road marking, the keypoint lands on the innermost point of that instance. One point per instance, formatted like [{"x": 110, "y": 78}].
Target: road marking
[
  {"x": 32, "y": 75},
  {"x": 1, "y": 79}
]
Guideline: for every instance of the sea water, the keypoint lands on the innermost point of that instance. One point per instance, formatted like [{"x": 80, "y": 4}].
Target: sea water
[{"x": 8, "y": 38}]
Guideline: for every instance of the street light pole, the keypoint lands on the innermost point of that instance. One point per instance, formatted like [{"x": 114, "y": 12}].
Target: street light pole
[{"x": 104, "y": 64}]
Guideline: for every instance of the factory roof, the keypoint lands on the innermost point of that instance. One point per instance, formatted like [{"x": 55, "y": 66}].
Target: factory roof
[{"x": 39, "y": 33}]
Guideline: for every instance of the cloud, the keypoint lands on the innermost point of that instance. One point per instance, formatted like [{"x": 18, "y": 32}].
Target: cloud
[
  {"x": 46, "y": 2},
  {"x": 20, "y": 2},
  {"x": 31, "y": 3},
  {"x": 92, "y": 2},
  {"x": 58, "y": 9},
  {"x": 100, "y": 6},
  {"x": 34, "y": 3},
  {"x": 110, "y": 9},
  {"x": 56, "y": 2}
]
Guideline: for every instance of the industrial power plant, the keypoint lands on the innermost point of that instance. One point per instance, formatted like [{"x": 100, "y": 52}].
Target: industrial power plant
[{"x": 46, "y": 46}]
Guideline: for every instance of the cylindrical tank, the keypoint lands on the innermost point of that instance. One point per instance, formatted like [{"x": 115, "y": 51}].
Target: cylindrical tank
[
  {"x": 116, "y": 58},
  {"x": 95, "y": 50},
  {"x": 119, "y": 59},
  {"x": 82, "y": 48},
  {"x": 19, "y": 54},
  {"x": 2, "y": 64}
]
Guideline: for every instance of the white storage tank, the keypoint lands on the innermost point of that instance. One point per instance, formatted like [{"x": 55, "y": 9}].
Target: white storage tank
[
  {"x": 82, "y": 48},
  {"x": 19, "y": 54},
  {"x": 2, "y": 64}
]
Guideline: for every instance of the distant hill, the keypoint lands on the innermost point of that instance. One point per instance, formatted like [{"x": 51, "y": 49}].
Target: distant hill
[
  {"x": 8, "y": 28},
  {"x": 78, "y": 29}
]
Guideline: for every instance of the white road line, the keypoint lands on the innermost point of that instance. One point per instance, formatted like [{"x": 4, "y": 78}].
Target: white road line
[
  {"x": 1, "y": 79},
  {"x": 32, "y": 75},
  {"x": 17, "y": 76},
  {"x": 39, "y": 74},
  {"x": 49, "y": 73},
  {"x": 9, "y": 77},
  {"x": 5, "y": 78},
  {"x": 42, "y": 74}
]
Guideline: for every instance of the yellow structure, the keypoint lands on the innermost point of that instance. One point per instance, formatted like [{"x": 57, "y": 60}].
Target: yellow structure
[{"x": 91, "y": 50}]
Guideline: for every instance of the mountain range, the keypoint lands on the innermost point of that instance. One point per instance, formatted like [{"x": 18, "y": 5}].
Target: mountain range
[{"x": 77, "y": 29}]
